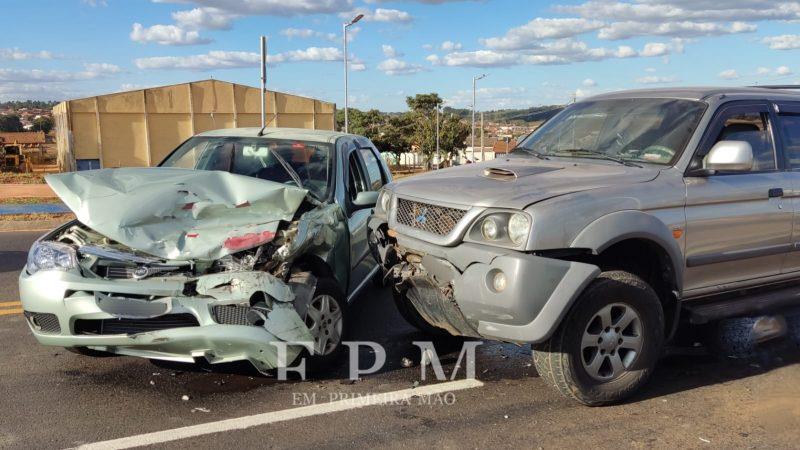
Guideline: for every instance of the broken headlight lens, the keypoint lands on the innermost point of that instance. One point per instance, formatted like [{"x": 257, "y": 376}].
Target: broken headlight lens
[{"x": 51, "y": 256}]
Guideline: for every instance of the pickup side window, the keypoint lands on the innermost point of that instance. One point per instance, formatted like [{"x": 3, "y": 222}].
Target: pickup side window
[
  {"x": 751, "y": 127},
  {"x": 789, "y": 126}
]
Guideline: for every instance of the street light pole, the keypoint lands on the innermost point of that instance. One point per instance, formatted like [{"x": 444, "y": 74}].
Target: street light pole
[
  {"x": 474, "y": 84},
  {"x": 345, "y": 26},
  {"x": 438, "y": 155}
]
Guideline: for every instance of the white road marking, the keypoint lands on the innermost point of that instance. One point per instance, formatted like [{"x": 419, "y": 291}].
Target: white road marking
[{"x": 242, "y": 423}]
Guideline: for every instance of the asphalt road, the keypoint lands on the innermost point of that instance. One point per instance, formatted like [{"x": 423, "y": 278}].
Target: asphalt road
[{"x": 50, "y": 398}]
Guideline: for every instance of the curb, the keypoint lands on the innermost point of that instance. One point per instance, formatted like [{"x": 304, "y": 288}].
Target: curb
[{"x": 30, "y": 225}]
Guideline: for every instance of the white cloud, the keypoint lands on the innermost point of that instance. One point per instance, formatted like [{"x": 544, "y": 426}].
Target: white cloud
[
  {"x": 729, "y": 74},
  {"x": 529, "y": 35},
  {"x": 17, "y": 54},
  {"x": 393, "y": 66},
  {"x": 204, "y": 19},
  {"x": 783, "y": 42},
  {"x": 629, "y": 29},
  {"x": 390, "y": 52},
  {"x": 305, "y": 33},
  {"x": 653, "y": 79},
  {"x": 783, "y": 71},
  {"x": 218, "y": 59},
  {"x": 655, "y": 49},
  {"x": 589, "y": 82},
  {"x": 763, "y": 71},
  {"x": 166, "y": 35},
  {"x": 658, "y": 11},
  {"x": 91, "y": 71},
  {"x": 450, "y": 46},
  {"x": 379, "y": 15},
  {"x": 95, "y": 3},
  {"x": 285, "y": 8}
]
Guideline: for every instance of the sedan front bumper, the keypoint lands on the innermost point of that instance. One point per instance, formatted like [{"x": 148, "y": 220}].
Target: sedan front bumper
[{"x": 157, "y": 319}]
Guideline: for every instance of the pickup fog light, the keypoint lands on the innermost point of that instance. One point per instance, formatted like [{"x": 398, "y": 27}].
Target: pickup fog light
[
  {"x": 490, "y": 229},
  {"x": 499, "y": 281},
  {"x": 518, "y": 228},
  {"x": 51, "y": 256}
]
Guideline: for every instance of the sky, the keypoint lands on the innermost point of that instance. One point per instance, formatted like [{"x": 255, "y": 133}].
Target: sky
[{"x": 532, "y": 52}]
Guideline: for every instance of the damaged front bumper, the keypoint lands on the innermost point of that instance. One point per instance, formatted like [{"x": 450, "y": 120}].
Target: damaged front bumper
[
  {"x": 208, "y": 317},
  {"x": 453, "y": 287}
]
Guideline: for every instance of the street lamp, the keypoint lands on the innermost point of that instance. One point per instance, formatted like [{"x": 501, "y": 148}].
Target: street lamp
[
  {"x": 438, "y": 154},
  {"x": 345, "y": 26},
  {"x": 474, "y": 83}
]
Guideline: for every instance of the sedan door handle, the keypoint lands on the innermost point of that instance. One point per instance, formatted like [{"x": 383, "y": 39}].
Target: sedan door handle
[{"x": 775, "y": 192}]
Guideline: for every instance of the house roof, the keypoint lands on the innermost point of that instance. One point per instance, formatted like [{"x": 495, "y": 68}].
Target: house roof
[
  {"x": 24, "y": 137},
  {"x": 502, "y": 147}
]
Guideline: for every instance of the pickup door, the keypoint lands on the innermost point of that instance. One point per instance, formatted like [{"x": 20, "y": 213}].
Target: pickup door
[{"x": 739, "y": 225}]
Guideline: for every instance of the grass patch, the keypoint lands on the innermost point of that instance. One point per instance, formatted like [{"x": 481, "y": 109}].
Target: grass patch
[
  {"x": 21, "y": 178},
  {"x": 30, "y": 200},
  {"x": 29, "y": 217}
]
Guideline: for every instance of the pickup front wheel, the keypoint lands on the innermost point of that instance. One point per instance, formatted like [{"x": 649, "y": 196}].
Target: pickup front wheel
[{"x": 607, "y": 346}]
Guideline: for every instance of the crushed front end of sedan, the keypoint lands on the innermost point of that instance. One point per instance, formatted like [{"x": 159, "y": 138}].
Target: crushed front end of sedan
[{"x": 180, "y": 264}]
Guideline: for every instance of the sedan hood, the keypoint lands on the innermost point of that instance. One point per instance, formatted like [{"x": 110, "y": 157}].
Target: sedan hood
[
  {"x": 178, "y": 214},
  {"x": 516, "y": 183}
]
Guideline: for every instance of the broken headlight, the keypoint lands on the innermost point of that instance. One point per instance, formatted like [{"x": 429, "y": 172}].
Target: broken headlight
[{"x": 46, "y": 255}]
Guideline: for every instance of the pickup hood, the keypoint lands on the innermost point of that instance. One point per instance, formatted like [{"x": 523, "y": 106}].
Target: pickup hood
[
  {"x": 516, "y": 183},
  {"x": 178, "y": 214}
]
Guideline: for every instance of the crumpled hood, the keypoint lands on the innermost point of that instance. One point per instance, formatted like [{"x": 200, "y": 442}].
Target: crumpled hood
[
  {"x": 178, "y": 214},
  {"x": 528, "y": 180}
]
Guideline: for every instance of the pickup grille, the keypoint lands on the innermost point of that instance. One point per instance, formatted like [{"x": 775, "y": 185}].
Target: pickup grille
[{"x": 438, "y": 220}]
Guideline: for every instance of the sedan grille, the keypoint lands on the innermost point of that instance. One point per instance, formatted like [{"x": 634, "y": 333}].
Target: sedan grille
[
  {"x": 44, "y": 322},
  {"x": 231, "y": 314},
  {"x": 133, "y": 326},
  {"x": 439, "y": 220},
  {"x": 136, "y": 272}
]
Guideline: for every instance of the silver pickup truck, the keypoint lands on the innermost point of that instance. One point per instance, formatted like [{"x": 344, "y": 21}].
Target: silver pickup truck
[{"x": 620, "y": 218}]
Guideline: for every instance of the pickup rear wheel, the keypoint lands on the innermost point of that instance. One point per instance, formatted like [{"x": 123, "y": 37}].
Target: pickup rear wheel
[{"x": 607, "y": 346}]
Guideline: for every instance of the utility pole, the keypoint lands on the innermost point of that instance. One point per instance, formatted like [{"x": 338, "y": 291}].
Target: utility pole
[
  {"x": 483, "y": 158},
  {"x": 438, "y": 154},
  {"x": 345, "y": 26},
  {"x": 474, "y": 83},
  {"x": 263, "y": 82}
]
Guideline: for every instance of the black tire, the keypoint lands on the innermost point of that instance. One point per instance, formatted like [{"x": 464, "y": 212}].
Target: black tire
[
  {"x": 316, "y": 363},
  {"x": 413, "y": 317},
  {"x": 560, "y": 360}
]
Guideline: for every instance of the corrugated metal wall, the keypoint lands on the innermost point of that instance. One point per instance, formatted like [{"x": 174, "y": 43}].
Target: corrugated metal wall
[{"x": 139, "y": 128}]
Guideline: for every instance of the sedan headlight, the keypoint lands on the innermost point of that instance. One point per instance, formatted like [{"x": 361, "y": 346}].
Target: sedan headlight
[
  {"x": 502, "y": 228},
  {"x": 51, "y": 256}
]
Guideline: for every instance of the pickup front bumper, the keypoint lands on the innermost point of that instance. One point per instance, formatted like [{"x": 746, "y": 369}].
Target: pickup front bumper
[{"x": 453, "y": 288}]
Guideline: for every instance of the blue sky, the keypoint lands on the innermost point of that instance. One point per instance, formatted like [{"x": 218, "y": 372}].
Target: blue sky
[{"x": 534, "y": 52}]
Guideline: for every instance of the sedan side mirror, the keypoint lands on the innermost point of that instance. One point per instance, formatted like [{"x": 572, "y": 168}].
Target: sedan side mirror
[
  {"x": 366, "y": 200},
  {"x": 730, "y": 156}
]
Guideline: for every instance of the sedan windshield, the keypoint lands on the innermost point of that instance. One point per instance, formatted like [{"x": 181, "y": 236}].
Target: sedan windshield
[
  {"x": 298, "y": 163},
  {"x": 648, "y": 130}
]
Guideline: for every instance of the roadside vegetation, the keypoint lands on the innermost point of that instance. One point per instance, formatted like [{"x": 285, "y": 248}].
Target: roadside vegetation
[{"x": 21, "y": 178}]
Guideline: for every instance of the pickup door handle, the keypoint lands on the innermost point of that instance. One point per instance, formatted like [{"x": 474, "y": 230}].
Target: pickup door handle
[{"x": 775, "y": 192}]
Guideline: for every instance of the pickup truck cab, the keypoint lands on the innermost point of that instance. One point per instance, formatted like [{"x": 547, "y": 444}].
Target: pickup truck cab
[
  {"x": 621, "y": 217},
  {"x": 241, "y": 238}
]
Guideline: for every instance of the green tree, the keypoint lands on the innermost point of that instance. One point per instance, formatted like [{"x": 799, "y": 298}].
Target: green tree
[
  {"x": 452, "y": 130},
  {"x": 43, "y": 124},
  {"x": 10, "y": 122}
]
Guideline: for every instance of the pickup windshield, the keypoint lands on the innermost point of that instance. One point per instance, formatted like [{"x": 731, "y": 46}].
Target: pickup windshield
[
  {"x": 298, "y": 163},
  {"x": 648, "y": 130}
]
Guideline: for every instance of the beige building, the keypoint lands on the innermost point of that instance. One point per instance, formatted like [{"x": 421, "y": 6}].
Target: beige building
[{"x": 139, "y": 128}]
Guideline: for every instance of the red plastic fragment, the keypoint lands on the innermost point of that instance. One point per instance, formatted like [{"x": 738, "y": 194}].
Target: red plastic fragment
[
  {"x": 248, "y": 240},
  {"x": 192, "y": 235}
]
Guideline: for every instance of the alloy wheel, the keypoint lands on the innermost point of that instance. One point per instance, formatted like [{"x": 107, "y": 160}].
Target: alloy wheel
[
  {"x": 612, "y": 341},
  {"x": 324, "y": 321}
]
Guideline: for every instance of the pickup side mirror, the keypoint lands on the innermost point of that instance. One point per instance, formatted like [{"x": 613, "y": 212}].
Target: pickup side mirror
[
  {"x": 729, "y": 156},
  {"x": 366, "y": 200}
]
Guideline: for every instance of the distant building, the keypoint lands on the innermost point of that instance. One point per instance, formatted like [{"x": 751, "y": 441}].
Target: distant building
[
  {"x": 139, "y": 128},
  {"x": 24, "y": 139},
  {"x": 504, "y": 146}
]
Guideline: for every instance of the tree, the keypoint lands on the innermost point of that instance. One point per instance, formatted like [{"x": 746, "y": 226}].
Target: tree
[
  {"x": 452, "y": 130},
  {"x": 43, "y": 123},
  {"x": 10, "y": 122}
]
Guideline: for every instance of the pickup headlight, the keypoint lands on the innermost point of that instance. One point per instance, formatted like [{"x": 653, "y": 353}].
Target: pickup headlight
[
  {"x": 384, "y": 200},
  {"x": 507, "y": 229},
  {"x": 51, "y": 256}
]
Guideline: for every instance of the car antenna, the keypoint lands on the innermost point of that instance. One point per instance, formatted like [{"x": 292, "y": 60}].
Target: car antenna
[{"x": 263, "y": 85}]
